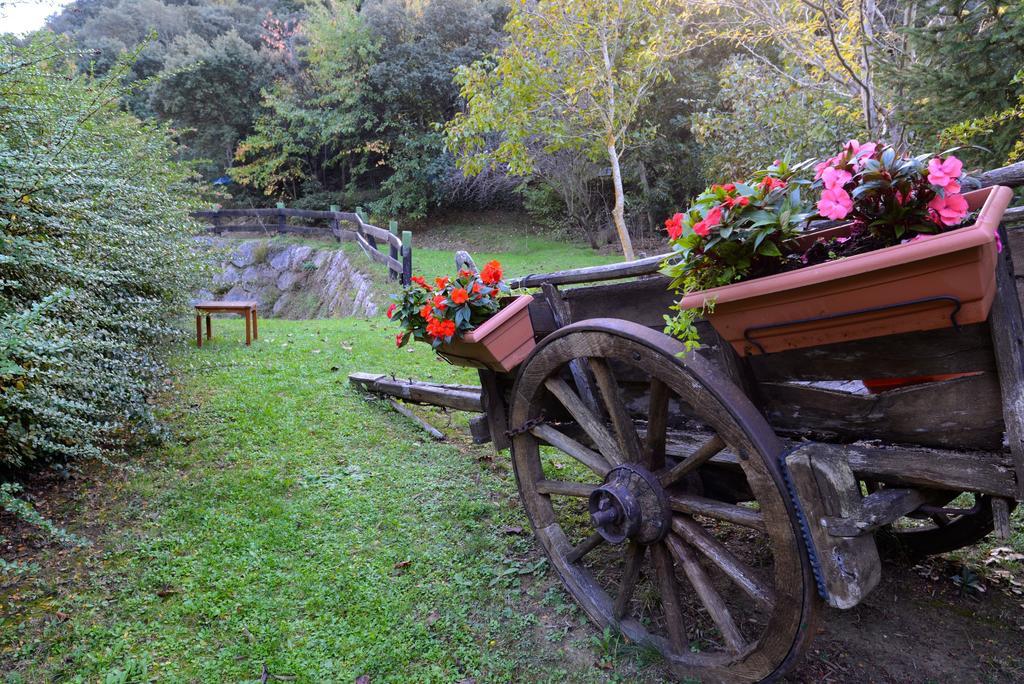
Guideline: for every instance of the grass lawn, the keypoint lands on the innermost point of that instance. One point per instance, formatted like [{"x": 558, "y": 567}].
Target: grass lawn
[{"x": 291, "y": 522}]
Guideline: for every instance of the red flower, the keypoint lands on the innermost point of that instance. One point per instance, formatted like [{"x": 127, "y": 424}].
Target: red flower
[
  {"x": 441, "y": 282},
  {"x": 729, "y": 187},
  {"x": 491, "y": 275},
  {"x": 674, "y": 226},
  {"x": 769, "y": 183},
  {"x": 728, "y": 202},
  {"x": 459, "y": 296},
  {"x": 391, "y": 310},
  {"x": 714, "y": 217},
  {"x": 742, "y": 201},
  {"x": 439, "y": 303},
  {"x": 426, "y": 312},
  {"x": 701, "y": 228},
  {"x": 421, "y": 282},
  {"x": 494, "y": 292},
  {"x": 476, "y": 288},
  {"x": 466, "y": 273},
  {"x": 440, "y": 328},
  {"x": 399, "y": 339}
]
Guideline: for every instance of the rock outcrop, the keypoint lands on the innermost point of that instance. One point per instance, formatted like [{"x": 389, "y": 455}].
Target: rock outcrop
[{"x": 291, "y": 280}]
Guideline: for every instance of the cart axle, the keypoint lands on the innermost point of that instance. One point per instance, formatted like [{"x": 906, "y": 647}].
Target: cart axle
[{"x": 631, "y": 504}]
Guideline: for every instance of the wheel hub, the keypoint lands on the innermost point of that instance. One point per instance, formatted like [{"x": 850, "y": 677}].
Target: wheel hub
[{"x": 631, "y": 504}]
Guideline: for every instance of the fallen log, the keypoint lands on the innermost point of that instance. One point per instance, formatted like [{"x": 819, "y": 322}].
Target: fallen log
[{"x": 458, "y": 397}]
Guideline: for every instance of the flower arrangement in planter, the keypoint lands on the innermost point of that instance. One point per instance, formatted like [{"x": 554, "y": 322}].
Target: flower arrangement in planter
[
  {"x": 734, "y": 232},
  {"x": 903, "y": 261},
  {"x": 465, "y": 319}
]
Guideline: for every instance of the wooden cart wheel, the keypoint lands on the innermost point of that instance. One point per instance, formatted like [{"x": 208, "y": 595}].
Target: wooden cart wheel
[
  {"x": 723, "y": 590},
  {"x": 927, "y": 534}
]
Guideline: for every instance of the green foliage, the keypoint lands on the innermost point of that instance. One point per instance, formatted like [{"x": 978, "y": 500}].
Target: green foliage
[
  {"x": 965, "y": 56},
  {"x": 202, "y": 64},
  {"x": 1009, "y": 121},
  {"x": 361, "y": 107},
  {"x": 758, "y": 116},
  {"x": 95, "y": 260},
  {"x": 211, "y": 90},
  {"x": 312, "y": 118}
]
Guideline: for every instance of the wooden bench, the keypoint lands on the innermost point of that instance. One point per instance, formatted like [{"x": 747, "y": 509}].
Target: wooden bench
[{"x": 246, "y": 309}]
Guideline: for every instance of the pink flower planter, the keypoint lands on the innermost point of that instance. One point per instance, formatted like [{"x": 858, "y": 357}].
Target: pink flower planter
[
  {"x": 501, "y": 343},
  {"x": 921, "y": 285}
]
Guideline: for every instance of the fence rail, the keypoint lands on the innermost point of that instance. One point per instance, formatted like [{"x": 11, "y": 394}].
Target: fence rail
[{"x": 389, "y": 247}]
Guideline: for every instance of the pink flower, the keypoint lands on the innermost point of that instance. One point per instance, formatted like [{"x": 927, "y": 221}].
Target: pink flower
[
  {"x": 701, "y": 229},
  {"x": 949, "y": 210},
  {"x": 946, "y": 174},
  {"x": 835, "y": 178},
  {"x": 835, "y": 203}
]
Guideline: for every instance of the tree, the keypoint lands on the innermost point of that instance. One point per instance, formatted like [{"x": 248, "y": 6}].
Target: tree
[
  {"x": 573, "y": 74},
  {"x": 212, "y": 91},
  {"x": 836, "y": 47},
  {"x": 313, "y": 119}
]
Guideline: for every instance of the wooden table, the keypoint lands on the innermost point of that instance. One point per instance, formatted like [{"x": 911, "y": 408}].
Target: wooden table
[{"x": 247, "y": 309}]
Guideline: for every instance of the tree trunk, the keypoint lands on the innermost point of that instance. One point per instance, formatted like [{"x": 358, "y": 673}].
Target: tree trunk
[{"x": 619, "y": 210}]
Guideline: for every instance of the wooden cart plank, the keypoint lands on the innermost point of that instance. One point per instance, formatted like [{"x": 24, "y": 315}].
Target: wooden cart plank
[
  {"x": 1008, "y": 343},
  {"x": 963, "y": 413},
  {"x": 907, "y": 355},
  {"x": 459, "y": 397}
]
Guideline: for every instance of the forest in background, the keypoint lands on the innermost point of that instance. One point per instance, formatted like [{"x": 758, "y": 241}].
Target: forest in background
[{"x": 333, "y": 102}]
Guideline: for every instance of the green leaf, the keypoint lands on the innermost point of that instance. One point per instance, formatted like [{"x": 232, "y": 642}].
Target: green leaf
[{"x": 769, "y": 249}]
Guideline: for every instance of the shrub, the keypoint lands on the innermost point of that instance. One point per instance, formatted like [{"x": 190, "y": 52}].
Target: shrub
[{"x": 96, "y": 258}]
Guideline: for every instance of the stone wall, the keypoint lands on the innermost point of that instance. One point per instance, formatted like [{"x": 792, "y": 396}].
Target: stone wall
[{"x": 291, "y": 280}]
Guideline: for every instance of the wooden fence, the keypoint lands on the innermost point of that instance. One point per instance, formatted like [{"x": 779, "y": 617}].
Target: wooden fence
[{"x": 389, "y": 247}]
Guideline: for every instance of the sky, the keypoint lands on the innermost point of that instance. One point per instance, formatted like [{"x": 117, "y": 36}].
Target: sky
[{"x": 21, "y": 16}]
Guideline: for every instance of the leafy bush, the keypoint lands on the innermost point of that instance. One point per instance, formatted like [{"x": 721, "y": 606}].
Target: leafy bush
[
  {"x": 95, "y": 258},
  {"x": 758, "y": 116}
]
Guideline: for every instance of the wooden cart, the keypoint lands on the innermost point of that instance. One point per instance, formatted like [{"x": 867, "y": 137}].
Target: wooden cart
[{"x": 707, "y": 505}]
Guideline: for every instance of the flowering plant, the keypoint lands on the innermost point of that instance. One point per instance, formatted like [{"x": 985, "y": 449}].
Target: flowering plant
[
  {"x": 438, "y": 312},
  {"x": 888, "y": 195},
  {"x": 732, "y": 232}
]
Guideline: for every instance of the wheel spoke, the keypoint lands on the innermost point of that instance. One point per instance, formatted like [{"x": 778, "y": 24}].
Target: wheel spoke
[
  {"x": 567, "y": 444},
  {"x": 625, "y": 430},
  {"x": 585, "y": 547},
  {"x": 739, "y": 572},
  {"x": 698, "y": 458},
  {"x": 564, "y": 488},
  {"x": 590, "y": 423},
  {"x": 668, "y": 587},
  {"x": 719, "y": 510},
  {"x": 657, "y": 425},
  {"x": 711, "y": 599},
  {"x": 630, "y": 575}
]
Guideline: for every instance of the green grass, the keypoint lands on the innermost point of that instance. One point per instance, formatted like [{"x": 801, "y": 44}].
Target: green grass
[{"x": 294, "y": 523}]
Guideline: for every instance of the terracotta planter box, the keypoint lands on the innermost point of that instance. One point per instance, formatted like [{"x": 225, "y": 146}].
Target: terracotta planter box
[
  {"x": 920, "y": 285},
  {"x": 501, "y": 343}
]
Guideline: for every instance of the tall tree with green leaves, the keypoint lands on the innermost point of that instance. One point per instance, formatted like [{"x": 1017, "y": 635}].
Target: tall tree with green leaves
[{"x": 574, "y": 74}]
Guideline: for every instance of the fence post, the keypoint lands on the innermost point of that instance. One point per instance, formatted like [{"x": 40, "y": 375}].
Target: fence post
[
  {"x": 335, "y": 226},
  {"x": 369, "y": 238},
  {"x": 215, "y": 220},
  {"x": 406, "y": 257},
  {"x": 280, "y": 218},
  {"x": 393, "y": 227}
]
